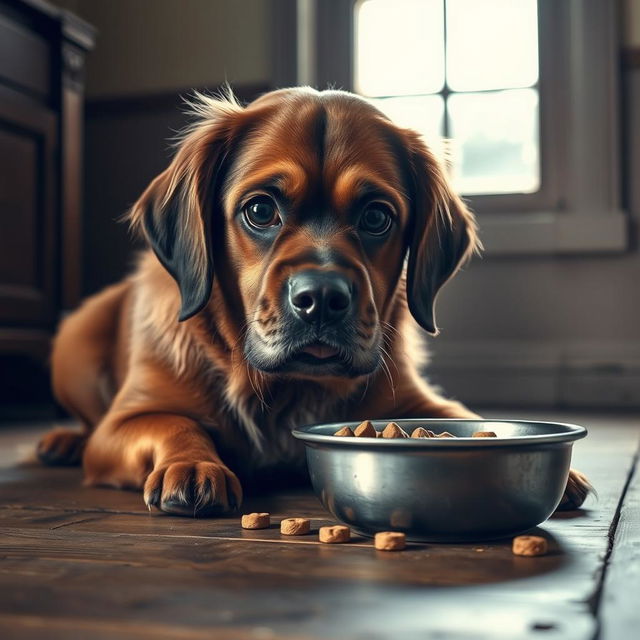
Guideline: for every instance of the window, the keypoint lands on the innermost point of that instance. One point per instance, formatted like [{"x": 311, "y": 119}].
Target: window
[
  {"x": 477, "y": 88},
  {"x": 527, "y": 90}
]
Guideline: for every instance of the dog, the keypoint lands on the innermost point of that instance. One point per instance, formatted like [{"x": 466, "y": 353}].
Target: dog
[{"x": 294, "y": 246}]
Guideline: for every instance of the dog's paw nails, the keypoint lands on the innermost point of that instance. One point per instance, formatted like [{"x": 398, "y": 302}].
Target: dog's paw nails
[
  {"x": 152, "y": 496},
  {"x": 61, "y": 447},
  {"x": 578, "y": 488},
  {"x": 193, "y": 489}
]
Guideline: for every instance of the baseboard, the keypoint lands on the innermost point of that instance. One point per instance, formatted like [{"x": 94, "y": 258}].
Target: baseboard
[{"x": 507, "y": 373}]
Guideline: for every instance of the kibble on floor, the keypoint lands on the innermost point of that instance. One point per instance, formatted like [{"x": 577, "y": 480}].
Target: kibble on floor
[
  {"x": 335, "y": 534},
  {"x": 295, "y": 526},
  {"x": 256, "y": 521},
  {"x": 529, "y": 546},
  {"x": 390, "y": 541}
]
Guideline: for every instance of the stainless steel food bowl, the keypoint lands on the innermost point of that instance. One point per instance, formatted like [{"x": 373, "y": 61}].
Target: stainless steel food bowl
[{"x": 442, "y": 489}]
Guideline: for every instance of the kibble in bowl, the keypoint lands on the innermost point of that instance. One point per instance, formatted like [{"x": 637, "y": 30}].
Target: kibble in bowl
[{"x": 449, "y": 487}]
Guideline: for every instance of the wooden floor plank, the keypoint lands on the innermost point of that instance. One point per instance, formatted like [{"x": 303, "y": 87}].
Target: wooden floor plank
[
  {"x": 419, "y": 564},
  {"x": 21, "y": 487},
  {"x": 619, "y": 612},
  {"x": 18, "y": 627},
  {"x": 97, "y": 561}
]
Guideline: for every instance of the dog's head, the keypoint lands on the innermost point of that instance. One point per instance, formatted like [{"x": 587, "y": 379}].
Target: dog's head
[{"x": 300, "y": 210}]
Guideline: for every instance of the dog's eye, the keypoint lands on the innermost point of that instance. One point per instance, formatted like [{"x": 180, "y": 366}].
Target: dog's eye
[
  {"x": 376, "y": 219},
  {"x": 261, "y": 212}
]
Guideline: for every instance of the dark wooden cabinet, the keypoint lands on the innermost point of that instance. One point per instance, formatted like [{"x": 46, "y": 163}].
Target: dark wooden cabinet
[
  {"x": 27, "y": 215},
  {"x": 42, "y": 51}
]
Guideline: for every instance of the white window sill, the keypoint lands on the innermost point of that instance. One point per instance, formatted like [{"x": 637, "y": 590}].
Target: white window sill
[{"x": 551, "y": 233}]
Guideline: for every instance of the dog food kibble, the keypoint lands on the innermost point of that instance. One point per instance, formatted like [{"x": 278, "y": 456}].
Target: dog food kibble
[
  {"x": 256, "y": 521},
  {"x": 390, "y": 541},
  {"x": 295, "y": 526},
  {"x": 529, "y": 546},
  {"x": 392, "y": 430},
  {"x": 365, "y": 430},
  {"x": 334, "y": 535},
  {"x": 421, "y": 432}
]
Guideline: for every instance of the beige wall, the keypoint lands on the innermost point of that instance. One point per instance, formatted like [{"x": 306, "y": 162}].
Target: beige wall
[
  {"x": 631, "y": 23},
  {"x": 153, "y": 46}
]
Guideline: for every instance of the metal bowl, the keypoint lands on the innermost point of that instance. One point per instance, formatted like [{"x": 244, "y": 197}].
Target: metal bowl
[{"x": 442, "y": 489}]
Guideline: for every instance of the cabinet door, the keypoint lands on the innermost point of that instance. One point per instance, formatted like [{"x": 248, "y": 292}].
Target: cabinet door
[{"x": 28, "y": 166}]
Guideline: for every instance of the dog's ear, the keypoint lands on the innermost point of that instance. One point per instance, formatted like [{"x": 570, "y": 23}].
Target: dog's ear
[
  {"x": 175, "y": 213},
  {"x": 442, "y": 234}
]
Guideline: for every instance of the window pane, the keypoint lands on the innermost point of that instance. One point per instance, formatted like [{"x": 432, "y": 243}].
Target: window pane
[
  {"x": 492, "y": 44},
  {"x": 495, "y": 145},
  {"x": 399, "y": 47},
  {"x": 425, "y": 114}
]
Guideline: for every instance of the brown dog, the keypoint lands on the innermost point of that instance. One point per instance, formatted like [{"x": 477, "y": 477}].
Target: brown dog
[{"x": 276, "y": 294}]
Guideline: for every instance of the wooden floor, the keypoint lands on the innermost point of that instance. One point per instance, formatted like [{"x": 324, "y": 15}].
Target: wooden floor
[{"x": 94, "y": 563}]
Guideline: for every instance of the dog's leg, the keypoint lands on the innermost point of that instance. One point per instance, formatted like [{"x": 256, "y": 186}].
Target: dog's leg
[
  {"x": 81, "y": 360},
  {"x": 62, "y": 447},
  {"x": 578, "y": 488},
  {"x": 170, "y": 456}
]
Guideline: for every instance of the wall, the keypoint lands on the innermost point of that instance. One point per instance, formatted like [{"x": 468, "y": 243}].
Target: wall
[
  {"x": 155, "y": 46},
  {"x": 630, "y": 23}
]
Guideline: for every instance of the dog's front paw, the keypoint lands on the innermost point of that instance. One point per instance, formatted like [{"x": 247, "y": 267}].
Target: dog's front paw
[
  {"x": 578, "y": 488},
  {"x": 193, "y": 489},
  {"x": 62, "y": 447}
]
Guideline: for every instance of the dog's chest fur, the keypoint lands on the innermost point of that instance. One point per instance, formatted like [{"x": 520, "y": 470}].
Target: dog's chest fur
[{"x": 287, "y": 405}]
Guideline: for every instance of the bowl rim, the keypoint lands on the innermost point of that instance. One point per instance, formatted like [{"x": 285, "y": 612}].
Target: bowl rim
[{"x": 569, "y": 433}]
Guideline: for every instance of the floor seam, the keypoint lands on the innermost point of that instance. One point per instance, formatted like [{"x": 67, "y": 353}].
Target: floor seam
[
  {"x": 595, "y": 600},
  {"x": 24, "y": 507},
  {"x": 68, "y": 524}
]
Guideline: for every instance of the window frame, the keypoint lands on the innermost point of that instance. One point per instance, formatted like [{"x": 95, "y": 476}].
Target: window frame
[{"x": 577, "y": 209}]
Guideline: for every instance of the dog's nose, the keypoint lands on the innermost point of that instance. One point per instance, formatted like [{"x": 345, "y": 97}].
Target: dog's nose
[{"x": 320, "y": 297}]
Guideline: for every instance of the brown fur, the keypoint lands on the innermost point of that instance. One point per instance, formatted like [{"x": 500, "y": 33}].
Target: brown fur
[{"x": 176, "y": 408}]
